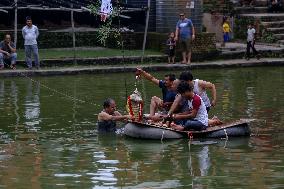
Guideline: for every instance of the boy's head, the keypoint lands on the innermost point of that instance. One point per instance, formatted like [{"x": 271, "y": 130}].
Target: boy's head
[
  {"x": 185, "y": 89},
  {"x": 186, "y": 76},
  {"x": 250, "y": 26},
  {"x": 172, "y": 35}
]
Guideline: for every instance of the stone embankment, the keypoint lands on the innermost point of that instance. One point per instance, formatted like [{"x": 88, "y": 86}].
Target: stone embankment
[{"x": 131, "y": 68}]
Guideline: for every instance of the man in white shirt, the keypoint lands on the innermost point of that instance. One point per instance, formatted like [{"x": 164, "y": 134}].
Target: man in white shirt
[
  {"x": 30, "y": 34},
  {"x": 251, "y": 42}
]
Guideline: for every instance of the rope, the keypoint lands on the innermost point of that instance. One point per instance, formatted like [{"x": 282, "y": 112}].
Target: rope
[
  {"x": 190, "y": 135},
  {"x": 226, "y": 134},
  {"x": 162, "y": 136},
  {"x": 53, "y": 90},
  {"x": 122, "y": 49}
]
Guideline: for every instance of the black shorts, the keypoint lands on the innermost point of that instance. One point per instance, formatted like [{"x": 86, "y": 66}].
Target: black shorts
[
  {"x": 171, "y": 52},
  {"x": 186, "y": 45}
]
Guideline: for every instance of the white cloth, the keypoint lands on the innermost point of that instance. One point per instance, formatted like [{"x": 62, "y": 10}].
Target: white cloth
[
  {"x": 202, "y": 114},
  {"x": 201, "y": 93},
  {"x": 250, "y": 34},
  {"x": 30, "y": 34},
  {"x": 106, "y": 7}
]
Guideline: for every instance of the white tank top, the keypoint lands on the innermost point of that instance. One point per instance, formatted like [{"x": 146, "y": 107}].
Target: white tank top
[
  {"x": 202, "y": 114},
  {"x": 201, "y": 93}
]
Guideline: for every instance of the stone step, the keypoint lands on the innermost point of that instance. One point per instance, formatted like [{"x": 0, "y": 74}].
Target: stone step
[
  {"x": 260, "y": 3},
  {"x": 266, "y": 17},
  {"x": 276, "y": 30},
  {"x": 281, "y": 42},
  {"x": 246, "y": 10},
  {"x": 279, "y": 36},
  {"x": 273, "y": 24}
]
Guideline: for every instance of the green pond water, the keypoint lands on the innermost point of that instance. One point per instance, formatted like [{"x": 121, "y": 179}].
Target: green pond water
[{"x": 49, "y": 140}]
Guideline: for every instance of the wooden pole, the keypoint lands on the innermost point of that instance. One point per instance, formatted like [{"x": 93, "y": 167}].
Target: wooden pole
[
  {"x": 73, "y": 34},
  {"x": 16, "y": 23},
  {"x": 146, "y": 30}
]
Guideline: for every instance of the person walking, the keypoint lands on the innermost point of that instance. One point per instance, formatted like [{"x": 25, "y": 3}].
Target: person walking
[
  {"x": 250, "y": 42},
  {"x": 8, "y": 52},
  {"x": 30, "y": 34},
  {"x": 185, "y": 33}
]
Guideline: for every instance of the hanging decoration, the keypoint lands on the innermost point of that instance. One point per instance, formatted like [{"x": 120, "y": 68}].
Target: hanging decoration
[
  {"x": 107, "y": 31},
  {"x": 106, "y": 9},
  {"x": 134, "y": 106}
]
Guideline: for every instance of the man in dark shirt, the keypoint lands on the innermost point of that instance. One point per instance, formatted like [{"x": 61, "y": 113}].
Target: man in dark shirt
[
  {"x": 168, "y": 92},
  {"x": 7, "y": 52}
]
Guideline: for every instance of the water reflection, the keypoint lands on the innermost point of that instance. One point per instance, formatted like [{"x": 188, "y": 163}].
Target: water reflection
[
  {"x": 32, "y": 105},
  {"x": 14, "y": 95},
  {"x": 50, "y": 141},
  {"x": 2, "y": 93}
]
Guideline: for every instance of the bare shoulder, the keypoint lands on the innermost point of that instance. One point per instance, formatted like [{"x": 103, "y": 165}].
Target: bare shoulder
[
  {"x": 205, "y": 84},
  {"x": 103, "y": 116},
  {"x": 202, "y": 83},
  {"x": 116, "y": 113}
]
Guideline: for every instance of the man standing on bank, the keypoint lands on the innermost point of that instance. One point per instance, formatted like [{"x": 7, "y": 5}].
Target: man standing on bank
[
  {"x": 185, "y": 33},
  {"x": 30, "y": 34}
]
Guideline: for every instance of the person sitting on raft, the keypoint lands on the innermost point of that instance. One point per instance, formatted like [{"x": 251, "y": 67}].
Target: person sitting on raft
[
  {"x": 168, "y": 92},
  {"x": 182, "y": 107},
  {"x": 199, "y": 88},
  {"x": 197, "y": 117},
  {"x": 108, "y": 116}
]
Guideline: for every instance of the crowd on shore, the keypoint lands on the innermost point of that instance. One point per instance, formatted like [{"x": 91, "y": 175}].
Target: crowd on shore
[{"x": 184, "y": 35}]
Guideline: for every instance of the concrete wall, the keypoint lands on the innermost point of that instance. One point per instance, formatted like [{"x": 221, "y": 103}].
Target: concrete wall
[
  {"x": 213, "y": 24},
  {"x": 167, "y": 14}
]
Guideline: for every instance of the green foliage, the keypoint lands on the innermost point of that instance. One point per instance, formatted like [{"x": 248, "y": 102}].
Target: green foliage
[
  {"x": 240, "y": 27},
  {"x": 84, "y": 53},
  {"x": 268, "y": 37},
  {"x": 215, "y": 6},
  {"x": 107, "y": 32}
]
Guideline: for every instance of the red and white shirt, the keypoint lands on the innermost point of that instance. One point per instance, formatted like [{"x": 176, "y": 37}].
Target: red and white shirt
[{"x": 197, "y": 104}]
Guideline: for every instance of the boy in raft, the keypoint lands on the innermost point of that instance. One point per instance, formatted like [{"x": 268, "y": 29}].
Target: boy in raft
[
  {"x": 108, "y": 116},
  {"x": 199, "y": 88},
  {"x": 169, "y": 93},
  {"x": 197, "y": 117}
]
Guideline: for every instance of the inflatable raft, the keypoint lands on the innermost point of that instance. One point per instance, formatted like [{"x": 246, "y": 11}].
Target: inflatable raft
[{"x": 151, "y": 131}]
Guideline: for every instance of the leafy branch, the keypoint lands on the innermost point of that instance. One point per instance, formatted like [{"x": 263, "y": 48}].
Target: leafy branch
[{"x": 107, "y": 30}]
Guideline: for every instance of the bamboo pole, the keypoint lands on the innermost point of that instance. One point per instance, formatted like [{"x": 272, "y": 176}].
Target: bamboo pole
[
  {"x": 2, "y": 10},
  {"x": 73, "y": 34},
  {"x": 16, "y": 23},
  {"x": 146, "y": 30}
]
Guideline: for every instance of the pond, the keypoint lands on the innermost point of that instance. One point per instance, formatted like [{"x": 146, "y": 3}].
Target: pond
[{"x": 48, "y": 136}]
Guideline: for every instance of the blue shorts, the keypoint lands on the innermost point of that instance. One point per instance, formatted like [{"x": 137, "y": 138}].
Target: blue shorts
[
  {"x": 191, "y": 125},
  {"x": 226, "y": 37}
]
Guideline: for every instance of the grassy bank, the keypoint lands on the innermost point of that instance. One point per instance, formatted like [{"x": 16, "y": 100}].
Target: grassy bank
[{"x": 85, "y": 53}]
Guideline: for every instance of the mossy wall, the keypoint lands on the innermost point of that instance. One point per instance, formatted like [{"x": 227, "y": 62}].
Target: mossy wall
[
  {"x": 157, "y": 41},
  {"x": 241, "y": 25}
]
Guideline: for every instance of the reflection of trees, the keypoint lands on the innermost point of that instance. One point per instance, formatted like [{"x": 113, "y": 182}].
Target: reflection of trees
[
  {"x": 151, "y": 161},
  {"x": 2, "y": 93},
  {"x": 32, "y": 104},
  {"x": 14, "y": 95},
  {"x": 23, "y": 164}
]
